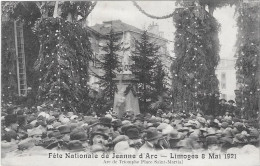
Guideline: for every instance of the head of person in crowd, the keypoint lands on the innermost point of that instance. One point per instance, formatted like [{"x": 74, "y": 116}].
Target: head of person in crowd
[
  {"x": 99, "y": 136},
  {"x": 65, "y": 132},
  {"x": 223, "y": 101},
  {"x": 104, "y": 122},
  {"x": 11, "y": 122},
  {"x": 11, "y": 110},
  {"x": 36, "y": 135},
  {"x": 81, "y": 136},
  {"x": 117, "y": 124},
  {"x": 154, "y": 138},
  {"x": 173, "y": 138},
  {"x": 94, "y": 114},
  {"x": 123, "y": 147},
  {"x": 183, "y": 131},
  {"x": 213, "y": 143}
]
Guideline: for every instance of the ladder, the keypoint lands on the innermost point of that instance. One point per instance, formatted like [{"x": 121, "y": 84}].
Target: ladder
[{"x": 20, "y": 58}]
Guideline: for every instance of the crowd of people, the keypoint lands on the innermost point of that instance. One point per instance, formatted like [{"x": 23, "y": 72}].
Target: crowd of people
[{"x": 46, "y": 128}]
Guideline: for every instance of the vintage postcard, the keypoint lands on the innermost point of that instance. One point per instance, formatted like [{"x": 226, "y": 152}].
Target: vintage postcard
[{"x": 137, "y": 83}]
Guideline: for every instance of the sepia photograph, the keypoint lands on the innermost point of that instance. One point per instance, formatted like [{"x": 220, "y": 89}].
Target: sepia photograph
[{"x": 130, "y": 83}]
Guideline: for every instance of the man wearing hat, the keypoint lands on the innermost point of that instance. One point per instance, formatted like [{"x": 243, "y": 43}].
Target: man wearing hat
[
  {"x": 152, "y": 140},
  {"x": 123, "y": 147},
  {"x": 133, "y": 133},
  {"x": 184, "y": 132},
  {"x": 213, "y": 144},
  {"x": 65, "y": 131},
  {"x": 173, "y": 138},
  {"x": 117, "y": 124},
  {"x": 99, "y": 138},
  {"x": 222, "y": 107},
  {"x": 81, "y": 136},
  {"x": 75, "y": 146},
  {"x": 34, "y": 137},
  {"x": 231, "y": 106},
  {"x": 104, "y": 122},
  {"x": 10, "y": 132}
]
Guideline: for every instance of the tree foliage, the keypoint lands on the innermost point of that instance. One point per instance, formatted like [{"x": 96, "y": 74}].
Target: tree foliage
[
  {"x": 8, "y": 63},
  {"x": 109, "y": 63},
  {"x": 149, "y": 70}
]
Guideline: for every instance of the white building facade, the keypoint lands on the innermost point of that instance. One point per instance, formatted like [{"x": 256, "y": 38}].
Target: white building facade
[{"x": 226, "y": 74}]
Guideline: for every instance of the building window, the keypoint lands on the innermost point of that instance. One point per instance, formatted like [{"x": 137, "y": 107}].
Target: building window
[
  {"x": 223, "y": 80},
  {"x": 223, "y": 85},
  {"x": 223, "y": 76}
]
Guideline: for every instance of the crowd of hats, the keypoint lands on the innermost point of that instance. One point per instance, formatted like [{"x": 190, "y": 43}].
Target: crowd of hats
[{"x": 46, "y": 128}]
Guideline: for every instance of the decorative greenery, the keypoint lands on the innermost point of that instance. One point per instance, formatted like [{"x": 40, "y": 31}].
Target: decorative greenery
[
  {"x": 130, "y": 88},
  {"x": 62, "y": 62},
  {"x": 150, "y": 15},
  {"x": 212, "y": 5},
  {"x": 197, "y": 56},
  {"x": 247, "y": 64}
]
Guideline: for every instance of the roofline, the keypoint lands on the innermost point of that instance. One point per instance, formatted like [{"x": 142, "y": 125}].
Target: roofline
[
  {"x": 160, "y": 38},
  {"x": 91, "y": 29},
  {"x": 119, "y": 32}
]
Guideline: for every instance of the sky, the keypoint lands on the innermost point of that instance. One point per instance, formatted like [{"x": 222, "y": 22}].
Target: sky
[{"x": 128, "y": 13}]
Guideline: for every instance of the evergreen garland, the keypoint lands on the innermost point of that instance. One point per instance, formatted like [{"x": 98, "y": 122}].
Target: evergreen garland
[
  {"x": 129, "y": 88},
  {"x": 197, "y": 56},
  {"x": 62, "y": 62},
  {"x": 247, "y": 63}
]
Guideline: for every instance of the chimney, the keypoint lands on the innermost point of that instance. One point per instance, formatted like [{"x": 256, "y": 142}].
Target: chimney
[
  {"x": 154, "y": 29},
  {"x": 161, "y": 34}
]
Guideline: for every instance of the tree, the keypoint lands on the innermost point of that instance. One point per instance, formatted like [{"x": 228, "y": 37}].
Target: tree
[
  {"x": 110, "y": 64},
  {"x": 161, "y": 94},
  {"x": 159, "y": 78},
  {"x": 197, "y": 56},
  {"x": 8, "y": 64},
  {"x": 143, "y": 67},
  {"x": 248, "y": 61}
]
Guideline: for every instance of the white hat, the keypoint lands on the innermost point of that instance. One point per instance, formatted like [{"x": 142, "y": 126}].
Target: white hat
[
  {"x": 73, "y": 117},
  {"x": 35, "y": 131},
  {"x": 123, "y": 148},
  {"x": 109, "y": 116}
]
